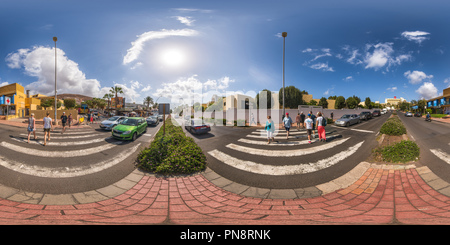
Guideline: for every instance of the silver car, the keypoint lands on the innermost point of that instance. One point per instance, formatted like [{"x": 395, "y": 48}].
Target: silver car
[
  {"x": 347, "y": 120},
  {"x": 111, "y": 122}
]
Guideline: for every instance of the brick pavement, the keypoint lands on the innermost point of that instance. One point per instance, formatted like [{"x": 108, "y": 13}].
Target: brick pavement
[{"x": 379, "y": 196}]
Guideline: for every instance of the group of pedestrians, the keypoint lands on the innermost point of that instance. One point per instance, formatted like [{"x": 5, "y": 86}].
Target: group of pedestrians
[
  {"x": 311, "y": 122},
  {"x": 48, "y": 125}
]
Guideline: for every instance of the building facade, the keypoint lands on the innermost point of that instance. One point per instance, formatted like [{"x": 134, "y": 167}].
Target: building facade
[{"x": 441, "y": 104}]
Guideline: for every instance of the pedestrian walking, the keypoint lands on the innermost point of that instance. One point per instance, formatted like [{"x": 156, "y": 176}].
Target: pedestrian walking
[
  {"x": 70, "y": 119},
  {"x": 297, "y": 120},
  {"x": 332, "y": 115},
  {"x": 287, "y": 122},
  {"x": 63, "y": 122},
  {"x": 313, "y": 117},
  {"x": 31, "y": 127},
  {"x": 252, "y": 120},
  {"x": 89, "y": 118},
  {"x": 92, "y": 118},
  {"x": 321, "y": 127},
  {"x": 309, "y": 127},
  {"x": 302, "y": 119},
  {"x": 270, "y": 128},
  {"x": 47, "y": 127}
]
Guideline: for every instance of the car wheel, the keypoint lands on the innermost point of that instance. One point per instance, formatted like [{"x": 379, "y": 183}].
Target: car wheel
[{"x": 134, "y": 136}]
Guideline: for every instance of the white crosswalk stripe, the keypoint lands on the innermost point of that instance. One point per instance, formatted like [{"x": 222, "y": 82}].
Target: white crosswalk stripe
[
  {"x": 63, "y": 137},
  {"x": 286, "y": 153},
  {"x": 284, "y": 143},
  {"x": 71, "y": 143},
  {"x": 441, "y": 154},
  {"x": 45, "y": 153},
  {"x": 263, "y": 169},
  {"x": 66, "y": 172}
]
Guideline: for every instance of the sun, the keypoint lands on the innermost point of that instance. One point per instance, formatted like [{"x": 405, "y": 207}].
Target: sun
[{"x": 173, "y": 57}]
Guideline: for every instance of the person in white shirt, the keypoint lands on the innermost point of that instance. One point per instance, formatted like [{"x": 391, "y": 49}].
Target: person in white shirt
[
  {"x": 309, "y": 127},
  {"x": 47, "y": 127},
  {"x": 320, "y": 127}
]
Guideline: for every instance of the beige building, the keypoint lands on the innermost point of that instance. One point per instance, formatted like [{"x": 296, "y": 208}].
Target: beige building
[{"x": 308, "y": 97}]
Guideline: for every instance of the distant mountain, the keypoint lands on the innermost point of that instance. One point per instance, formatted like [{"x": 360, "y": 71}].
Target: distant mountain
[{"x": 78, "y": 97}]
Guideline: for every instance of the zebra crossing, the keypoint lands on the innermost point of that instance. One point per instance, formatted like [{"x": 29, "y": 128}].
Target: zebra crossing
[
  {"x": 442, "y": 154},
  {"x": 75, "y": 153},
  {"x": 286, "y": 157}
]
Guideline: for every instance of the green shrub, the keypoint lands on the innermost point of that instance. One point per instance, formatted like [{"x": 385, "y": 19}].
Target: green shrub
[
  {"x": 404, "y": 151},
  {"x": 393, "y": 126},
  {"x": 172, "y": 153}
]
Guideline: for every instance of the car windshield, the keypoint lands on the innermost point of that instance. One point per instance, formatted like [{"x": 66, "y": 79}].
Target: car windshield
[
  {"x": 345, "y": 116},
  {"x": 153, "y": 117},
  {"x": 113, "y": 118},
  {"x": 130, "y": 122}
]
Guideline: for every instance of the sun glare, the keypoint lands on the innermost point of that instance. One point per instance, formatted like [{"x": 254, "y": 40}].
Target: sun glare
[{"x": 173, "y": 57}]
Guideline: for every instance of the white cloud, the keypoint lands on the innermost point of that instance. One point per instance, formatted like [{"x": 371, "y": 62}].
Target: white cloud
[
  {"x": 308, "y": 50},
  {"x": 322, "y": 66},
  {"x": 185, "y": 20},
  {"x": 353, "y": 58},
  {"x": 138, "y": 45},
  {"x": 192, "y": 89},
  {"x": 392, "y": 89},
  {"x": 427, "y": 91},
  {"x": 416, "y": 77},
  {"x": 383, "y": 55},
  {"x": 415, "y": 36},
  {"x": 39, "y": 62},
  {"x": 349, "y": 78}
]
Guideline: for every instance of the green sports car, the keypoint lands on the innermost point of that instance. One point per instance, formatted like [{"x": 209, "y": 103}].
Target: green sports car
[{"x": 130, "y": 128}]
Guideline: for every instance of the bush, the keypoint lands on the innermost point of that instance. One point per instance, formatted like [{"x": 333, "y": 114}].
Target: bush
[
  {"x": 393, "y": 126},
  {"x": 173, "y": 153},
  {"x": 404, "y": 151}
]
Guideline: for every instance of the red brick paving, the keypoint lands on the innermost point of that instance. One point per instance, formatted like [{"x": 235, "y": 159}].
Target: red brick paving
[{"x": 380, "y": 196}]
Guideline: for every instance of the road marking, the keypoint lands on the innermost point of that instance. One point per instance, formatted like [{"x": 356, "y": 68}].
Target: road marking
[
  {"x": 41, "y": 142},
  {"x": 284, "y": 143},
  {"x": 44, "y": 153},
  {"x": 286, "y": 153},
  {"x": 69, "y": 133},
  {"x": 65, "y": 137},
  {"x": 441, "y": 154},
  {"x": 147, "y": 134},
  {"x": 66, "y": 172},
  {"x": 258, "y": 168},
  {"x": 361, "y": 130},
  {"x": 278, "y": 133},
  {"x": 281, "y": 137}
]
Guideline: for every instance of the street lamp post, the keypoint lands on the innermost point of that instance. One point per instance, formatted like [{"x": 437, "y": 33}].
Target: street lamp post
[
  {"x": 55, "y": 39},
  {"x": 284, "y": 34}
]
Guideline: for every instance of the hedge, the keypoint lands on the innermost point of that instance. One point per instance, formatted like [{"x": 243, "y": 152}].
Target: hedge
[
  {"x": 393, "y": 126},
  {"x": 404, "y": 151},
  {"x": 172, "y": 153}
]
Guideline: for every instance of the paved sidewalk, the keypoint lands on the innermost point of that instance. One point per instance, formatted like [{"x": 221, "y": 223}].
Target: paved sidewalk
[{"x": 381, "y": 195}]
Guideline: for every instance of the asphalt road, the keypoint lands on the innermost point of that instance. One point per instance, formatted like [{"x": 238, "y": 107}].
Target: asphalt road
[
  {"x": 241, "y": 155},
  {"x": 431, "y": 136},
  {"x": 78, "y": 160}
]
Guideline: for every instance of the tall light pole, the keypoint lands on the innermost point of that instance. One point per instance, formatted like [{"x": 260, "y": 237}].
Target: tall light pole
[
  {"x": 55, "y": 39},
  {"x": 284, "y": 34}
]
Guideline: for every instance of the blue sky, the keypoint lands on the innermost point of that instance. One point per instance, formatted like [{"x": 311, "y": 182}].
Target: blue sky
[{"x": 377, "y": 49}]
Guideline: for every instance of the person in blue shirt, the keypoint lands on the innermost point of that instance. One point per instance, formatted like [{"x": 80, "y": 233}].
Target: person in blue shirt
[
  {"x": 270, "y": 128},
  {"x": 287, "y": 122}
]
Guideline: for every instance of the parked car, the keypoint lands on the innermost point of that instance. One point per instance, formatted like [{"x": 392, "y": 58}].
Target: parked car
[
  {"x": 111, "y": 122},
  {"x": 376, "y": 113},
  {"x": 418, "y": 114},
  {"x": 347, "y": 120},
  {"x": 160, "y": 117},
  {"x": 130, "y": 128},
  {"x": 196, "y": 126},
  {"x": 152, "y": 120},
  {"x": 408, "y": 114},
  {"x": 365, "y": 115},
  {"x": 382, "y": 112}
]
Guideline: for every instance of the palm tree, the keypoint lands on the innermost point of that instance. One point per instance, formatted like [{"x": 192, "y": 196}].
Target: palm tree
[
  {"x": 108, "y": 97},
  {"x": 116, "y": 90},
  {"x": 147, "y": 101}
]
